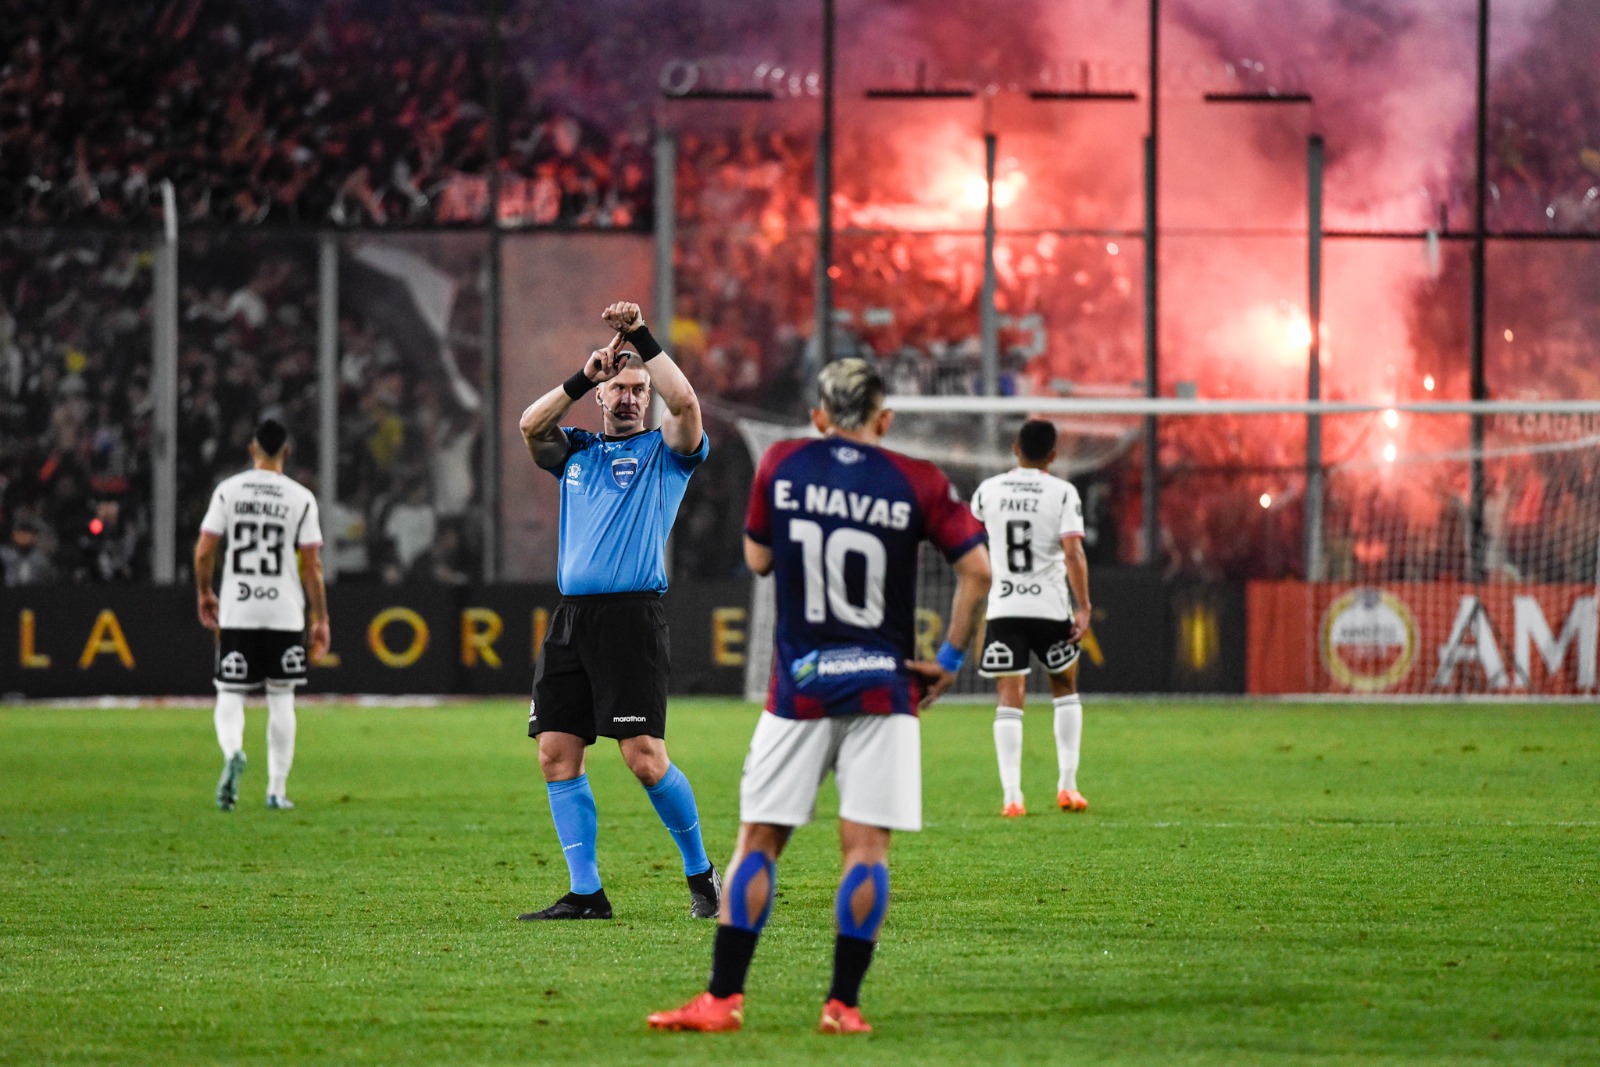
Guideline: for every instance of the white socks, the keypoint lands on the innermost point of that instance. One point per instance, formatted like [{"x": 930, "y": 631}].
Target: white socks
[
  {"x": 1008, "y": 751},
  {"x": 280, "y": 738},
  {"x": 1069, "y": 732},
  {"x": 229, "y": 718}
]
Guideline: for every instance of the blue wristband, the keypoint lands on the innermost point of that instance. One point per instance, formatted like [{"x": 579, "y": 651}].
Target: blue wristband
[{"x": 950, "y": 657}]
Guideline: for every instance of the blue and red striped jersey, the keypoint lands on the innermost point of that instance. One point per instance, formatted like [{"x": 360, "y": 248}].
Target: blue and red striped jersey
[{"x": 844, "y": 521}]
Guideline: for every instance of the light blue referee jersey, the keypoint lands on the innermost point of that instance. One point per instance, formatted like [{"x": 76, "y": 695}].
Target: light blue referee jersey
[{"x": 618, "y": 502}]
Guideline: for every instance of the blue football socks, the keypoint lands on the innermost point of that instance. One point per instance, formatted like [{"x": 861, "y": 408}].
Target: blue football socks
[
  {"x": 735, "y": 944},
  {"x": 577, "y": 826},
  {"x": 866, "y": 927},
  {"x": 738, "y": 890},
  {"x": 673, "y": 798}
]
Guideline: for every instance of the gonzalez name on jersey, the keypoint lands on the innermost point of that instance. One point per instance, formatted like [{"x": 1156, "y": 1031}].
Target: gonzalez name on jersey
[
  {"x": 1026, "y": 513},
  {"x": 265, "y": 517}
]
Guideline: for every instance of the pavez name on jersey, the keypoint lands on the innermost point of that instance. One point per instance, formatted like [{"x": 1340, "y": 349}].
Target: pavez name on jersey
[
  {"x": 1027, "y": 512},
  {"x": 618, "y": 502},
  {"x": 843, "y": 521},
  {"x": 265, "y": 517}
]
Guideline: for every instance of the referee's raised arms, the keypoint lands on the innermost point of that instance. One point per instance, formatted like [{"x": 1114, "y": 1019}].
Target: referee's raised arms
[{"x": 681, "y": 425}]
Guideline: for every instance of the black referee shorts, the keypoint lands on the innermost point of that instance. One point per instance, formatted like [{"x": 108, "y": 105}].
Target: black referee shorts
[{"x": 603, "y": 669}]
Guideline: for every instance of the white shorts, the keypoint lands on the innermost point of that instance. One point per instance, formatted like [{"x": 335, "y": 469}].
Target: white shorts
[{"x": 876, "y": 762}]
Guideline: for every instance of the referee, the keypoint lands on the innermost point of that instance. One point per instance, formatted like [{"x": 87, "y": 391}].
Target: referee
[{"x": 603, "y": 669}]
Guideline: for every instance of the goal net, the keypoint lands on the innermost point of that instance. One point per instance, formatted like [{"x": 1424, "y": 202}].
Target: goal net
[{"x": 1444, "y": 548}]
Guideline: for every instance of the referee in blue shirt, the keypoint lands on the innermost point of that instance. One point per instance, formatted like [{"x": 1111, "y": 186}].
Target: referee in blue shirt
[{"x": 603, "y": 669}]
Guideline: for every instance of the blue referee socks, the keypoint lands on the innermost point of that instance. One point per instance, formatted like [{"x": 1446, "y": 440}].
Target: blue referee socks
[
  {"x": 673, "y": 798},
  {"x": 577, "y": 826}
]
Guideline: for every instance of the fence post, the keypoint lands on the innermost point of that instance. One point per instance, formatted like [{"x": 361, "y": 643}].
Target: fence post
[
  {"x": 164, "y": 395},
  {"x": 328, "y": 392}
]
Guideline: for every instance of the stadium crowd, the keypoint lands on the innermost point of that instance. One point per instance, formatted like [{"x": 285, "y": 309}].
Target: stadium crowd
[
  {"x": 292, "y": 112},
  {"x": 76, "y": 411},
  {"x": 74, "y": 408}
]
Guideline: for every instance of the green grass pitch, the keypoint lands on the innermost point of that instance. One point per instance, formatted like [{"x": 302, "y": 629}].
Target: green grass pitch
[{"x": 1253, "y": 884}]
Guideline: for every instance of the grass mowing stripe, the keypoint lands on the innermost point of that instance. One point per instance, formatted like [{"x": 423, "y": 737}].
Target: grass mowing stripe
[{"x": 1253, "y": 884}]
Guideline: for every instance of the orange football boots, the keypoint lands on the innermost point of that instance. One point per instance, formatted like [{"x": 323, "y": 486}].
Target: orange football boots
[
  {"x": 839, "y": 1018},
  {"x": 705, "y": 1013}
]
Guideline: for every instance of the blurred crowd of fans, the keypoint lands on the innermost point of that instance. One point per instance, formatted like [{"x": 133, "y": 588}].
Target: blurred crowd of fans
[
  {"x": 74, "y": 409},
  {"x": 76, "y": 412},
  {"x": 283, "y": 115},
  {"x": 293, "y": 112}
]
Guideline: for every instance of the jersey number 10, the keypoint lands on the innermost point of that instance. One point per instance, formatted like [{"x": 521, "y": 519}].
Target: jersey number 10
[{"x": 824, "y": 561}]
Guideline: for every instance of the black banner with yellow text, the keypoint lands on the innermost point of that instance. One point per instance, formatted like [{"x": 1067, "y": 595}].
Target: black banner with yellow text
[
  {"x": 75, "y": 641},
  {"x": 78, "y": 641}
]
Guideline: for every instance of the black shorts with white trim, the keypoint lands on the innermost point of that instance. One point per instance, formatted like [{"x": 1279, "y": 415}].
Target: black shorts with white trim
[
  {"x": 248, "y": 659},
  {"x": 1008, "y": 642}
]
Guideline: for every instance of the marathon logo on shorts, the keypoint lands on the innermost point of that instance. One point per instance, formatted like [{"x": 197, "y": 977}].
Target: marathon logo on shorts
[
  {"x": 233, "y": 667},
  {"x": 623, "y": 470},
  {"x": 294, "y": 660},
  {"x": 838, "y": 664}
]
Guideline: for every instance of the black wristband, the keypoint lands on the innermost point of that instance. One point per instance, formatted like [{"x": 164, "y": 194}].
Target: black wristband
[
  {"x": 577, "y": 385},
  {"x": 646, "y": 345}
]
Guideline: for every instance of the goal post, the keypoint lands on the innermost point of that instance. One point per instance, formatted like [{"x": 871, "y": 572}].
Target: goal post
[{"x": 1453, "y": 548}]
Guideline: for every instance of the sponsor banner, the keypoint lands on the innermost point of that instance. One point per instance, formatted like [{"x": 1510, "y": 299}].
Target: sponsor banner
[
  {"x": 1129, "y": 649},
  {"x": 1422, "y": 637},
  {"x": 73, "y": 641},
  {"x": 146, "y": 640},
  {"x": 1208, "y": 638}
]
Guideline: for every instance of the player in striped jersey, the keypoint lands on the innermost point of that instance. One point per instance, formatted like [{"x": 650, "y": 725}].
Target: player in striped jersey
[
  {"x": 836, "y": 521},
  {"x": 1035, "y": 526}
]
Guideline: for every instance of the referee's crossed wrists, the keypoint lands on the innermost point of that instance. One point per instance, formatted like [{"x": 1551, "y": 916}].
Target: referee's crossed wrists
[
  {"x": 644, "y": 343},
  {"x": 950, "y": 657}
]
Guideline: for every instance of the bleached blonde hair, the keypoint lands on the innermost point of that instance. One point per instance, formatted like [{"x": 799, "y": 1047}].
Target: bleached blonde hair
[{"x": 851, "y": 392}]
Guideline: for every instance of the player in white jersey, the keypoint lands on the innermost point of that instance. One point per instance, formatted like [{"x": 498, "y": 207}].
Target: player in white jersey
[
  {"x": 274, "y": 542},
  {"x": 1035, "y": 526}
]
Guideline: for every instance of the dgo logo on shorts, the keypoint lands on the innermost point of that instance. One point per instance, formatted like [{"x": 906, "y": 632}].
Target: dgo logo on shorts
[
  {"x": 294, "y": 660},
  {"x": 233, "y": 667},
  {"x": 623, "y": 470}
]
